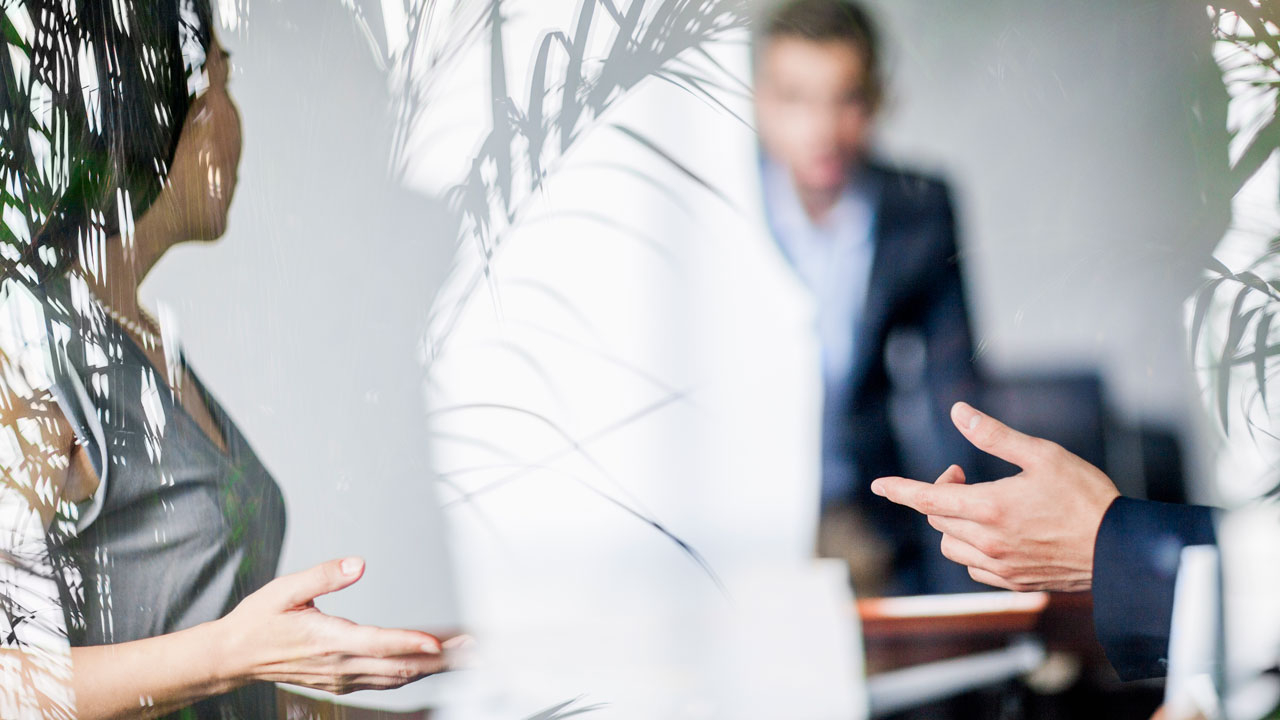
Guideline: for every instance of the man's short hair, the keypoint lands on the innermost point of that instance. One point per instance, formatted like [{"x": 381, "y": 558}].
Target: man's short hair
[{"x": 829, "y": 21}]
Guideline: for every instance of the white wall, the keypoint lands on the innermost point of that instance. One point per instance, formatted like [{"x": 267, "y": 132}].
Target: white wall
[{"x": 304, "y": 320}]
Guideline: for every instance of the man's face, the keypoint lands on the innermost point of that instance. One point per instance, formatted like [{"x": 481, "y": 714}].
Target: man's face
[{"x": 812, "y": 110}]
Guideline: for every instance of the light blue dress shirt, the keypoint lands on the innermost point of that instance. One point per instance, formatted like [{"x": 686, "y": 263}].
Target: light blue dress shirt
[{"x": 832, "y": 257}]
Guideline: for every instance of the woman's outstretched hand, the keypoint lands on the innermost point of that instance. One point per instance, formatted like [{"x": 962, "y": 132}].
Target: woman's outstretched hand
[{"x": 278, "y": 635}]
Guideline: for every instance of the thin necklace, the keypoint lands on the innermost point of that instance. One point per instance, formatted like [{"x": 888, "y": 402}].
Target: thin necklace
[{"x": 148, "y": 338}]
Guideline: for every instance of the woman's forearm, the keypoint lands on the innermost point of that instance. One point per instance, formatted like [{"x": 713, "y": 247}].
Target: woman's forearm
[{"x": 152, "y": 677}]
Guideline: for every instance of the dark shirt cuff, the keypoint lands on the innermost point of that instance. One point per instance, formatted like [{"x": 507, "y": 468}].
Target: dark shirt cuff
[{"x": 1135, "y": 564}]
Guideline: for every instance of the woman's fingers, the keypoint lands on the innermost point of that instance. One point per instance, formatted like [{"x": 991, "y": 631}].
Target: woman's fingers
[
  {"x": 459, "y": 643},
  {"x": 301, "y": 588},
  {"x": 377, "y": 642},
  {"x": 342, "y": 673},
  {"x": 399, "y": 671}
]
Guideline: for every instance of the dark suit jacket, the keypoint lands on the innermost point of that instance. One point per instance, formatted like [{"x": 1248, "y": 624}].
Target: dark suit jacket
[
  {"x": 915, "y": 285},
  {"x": 1135, "y": 564}
]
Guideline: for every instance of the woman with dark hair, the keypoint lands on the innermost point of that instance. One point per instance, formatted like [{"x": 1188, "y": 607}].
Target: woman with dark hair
[{"x": 163, "y": 528}]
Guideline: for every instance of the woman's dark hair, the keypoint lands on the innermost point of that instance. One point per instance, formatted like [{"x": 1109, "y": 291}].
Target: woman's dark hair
[
  {"x": 829, "y": 21},
  {"x": 93, "y": 96}
]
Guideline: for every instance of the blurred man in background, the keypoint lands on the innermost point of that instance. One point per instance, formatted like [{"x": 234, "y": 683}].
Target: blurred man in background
[{"x": 877, "y": 248}]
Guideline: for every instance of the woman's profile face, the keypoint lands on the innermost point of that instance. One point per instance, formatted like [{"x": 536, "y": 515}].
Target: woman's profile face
[{"x": 202, "y": 177}]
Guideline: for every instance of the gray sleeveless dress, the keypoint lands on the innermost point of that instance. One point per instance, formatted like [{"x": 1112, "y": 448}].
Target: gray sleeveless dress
[{"x": 179, "y": 531}]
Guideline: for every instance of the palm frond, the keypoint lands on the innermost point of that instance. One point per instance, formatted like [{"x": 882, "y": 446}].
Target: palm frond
[
  {"x": 536, "y": 135},
  {"x": 565, "y": 709},
  {"x": 1234, "y": 310}
]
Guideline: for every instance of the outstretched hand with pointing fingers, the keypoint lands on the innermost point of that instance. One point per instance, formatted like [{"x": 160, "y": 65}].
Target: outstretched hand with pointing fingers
[{"x": 1032, "y": 531}]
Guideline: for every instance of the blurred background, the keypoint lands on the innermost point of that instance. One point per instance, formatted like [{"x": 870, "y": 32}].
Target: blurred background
[
  {"x": 1088, "y": 152},
  {"x": 503, "y": 266}
]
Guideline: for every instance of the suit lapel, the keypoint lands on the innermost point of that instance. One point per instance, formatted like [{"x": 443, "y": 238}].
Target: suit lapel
[{"x": 880, "y": 284}]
